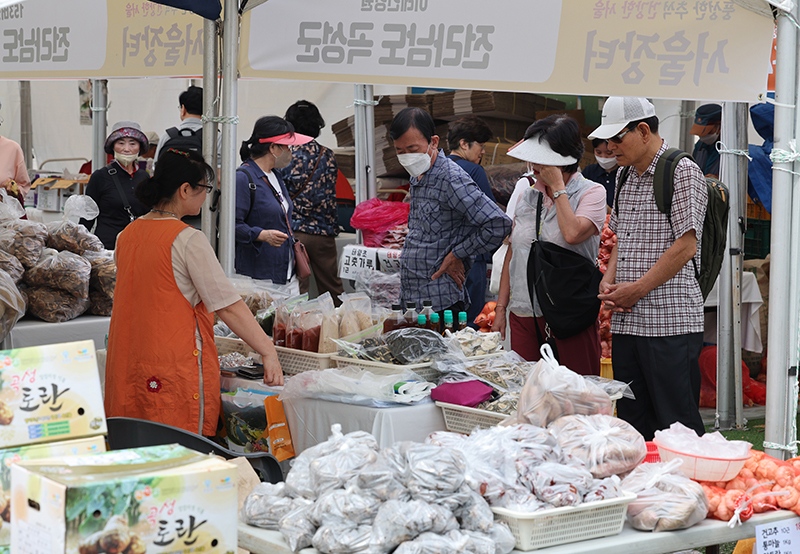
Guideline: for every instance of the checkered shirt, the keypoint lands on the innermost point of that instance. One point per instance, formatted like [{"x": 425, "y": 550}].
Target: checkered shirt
[
  {"x": 448, "y": 213},
  {"x": 643, "y": 235}
]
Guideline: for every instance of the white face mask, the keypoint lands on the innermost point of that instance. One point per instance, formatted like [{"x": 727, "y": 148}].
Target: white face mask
[
  {"x": 284, "y": 159},
  {"x": 709, "y": 139},
  {"x": 606, "y": 163},
  {"x": 125, "y": 159},
  {"x": 416, "y": 164}
]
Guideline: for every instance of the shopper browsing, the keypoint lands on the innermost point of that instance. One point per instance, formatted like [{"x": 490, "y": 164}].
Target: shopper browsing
[
  {"x": 650, "y": 281},
  {"x": 450, "y": 220},
  {"x": 604, "y": 171},
  {"x": 162, "y": 361}
]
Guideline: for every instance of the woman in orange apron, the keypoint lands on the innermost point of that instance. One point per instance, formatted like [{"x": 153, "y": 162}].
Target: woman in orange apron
[{"x": 162, "y": 363}]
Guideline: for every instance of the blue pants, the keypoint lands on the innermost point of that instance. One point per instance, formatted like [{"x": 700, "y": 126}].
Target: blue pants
[{"x": 476, "y": 288}]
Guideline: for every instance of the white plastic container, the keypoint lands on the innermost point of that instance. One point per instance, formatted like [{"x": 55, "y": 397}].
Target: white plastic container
[{"x": 701, "y": 468}]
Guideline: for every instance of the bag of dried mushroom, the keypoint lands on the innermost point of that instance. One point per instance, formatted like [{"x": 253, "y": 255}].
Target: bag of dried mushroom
[
  {"x": 55, "y": 306},
  {"x": 104, "y": 271},
  {"x": 72, "y": 236},
  {"x": 12, "y": 304},
  {"x": 64, "y": 271}
]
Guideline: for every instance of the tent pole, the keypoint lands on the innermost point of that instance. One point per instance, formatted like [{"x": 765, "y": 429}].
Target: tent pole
[
  {"x": 776, "y": 431},
  {"x": 208, "y": 218},
  {"x": 230, "y": 58},
  {"x": 361, "y": 148},
  {"x": 26, "y": 125},
  {"x": 369, "y": 122},
  {"x": 99, "y": 123}
]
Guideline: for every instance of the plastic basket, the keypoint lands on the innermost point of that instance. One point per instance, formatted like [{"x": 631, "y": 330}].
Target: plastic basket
[
  {"x": 652, "y": 454},
  {"x": 606, "y": 370},
  {"x": 425, "y": 371},
  {"x": 757, "y": 239},
  {"x": 461, "y": 419},
  {"x": 568, "y": 524},
  {"x": 297, "y": 361},
  {"x": 703, "y": 469},
  {"x": 228, "y": 346}
]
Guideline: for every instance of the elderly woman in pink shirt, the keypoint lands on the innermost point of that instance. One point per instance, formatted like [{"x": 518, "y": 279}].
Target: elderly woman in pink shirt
[
  {"x": 13, "y": 173},
  {"x": 572, "y": 216}
]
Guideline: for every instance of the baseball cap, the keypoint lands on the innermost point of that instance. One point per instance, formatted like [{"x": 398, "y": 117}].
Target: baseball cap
[
  {"x": 287, "y": 139},
  {"x": 537, "y": 150},
  {"x": 705, "y": 118},
  {"x": 618, "y": 111}
]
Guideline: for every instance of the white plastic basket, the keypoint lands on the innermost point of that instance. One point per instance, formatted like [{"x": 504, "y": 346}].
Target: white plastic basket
[
  {"x": 461, "y": 419},
  {"x": 425, "y": 371},
  {"x": 568, "y": 524},
  {"x": 702, "y": 468},
  {"x": 297, "y": 361}
]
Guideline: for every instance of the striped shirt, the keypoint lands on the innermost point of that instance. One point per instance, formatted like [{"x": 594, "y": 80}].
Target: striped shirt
[
  {"x": 449, "y": 213},
  {"x": 643, "y": 235}
]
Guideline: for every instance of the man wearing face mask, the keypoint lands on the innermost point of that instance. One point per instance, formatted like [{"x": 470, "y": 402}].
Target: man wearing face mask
[
  {"x": 604, "y": 171},
  {"x": 450, "y": 222},
  {"x": 264, "y": 239},
  {"x": 707, "y": 123}
]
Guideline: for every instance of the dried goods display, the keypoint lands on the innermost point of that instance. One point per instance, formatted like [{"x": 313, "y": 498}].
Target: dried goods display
[
  {"x": 474, "y": 343},
  {"x": 100, "y": 303},
  {"x": 415, "y": 345},
  {"x": 12, "y": 266},
  {"x": 64, "y": 271},
  {"x": 73, "y": 237},
  {"x": 28, "y": 242},
  {"x": 104, "y": 271},
  {"x": 53, "y": 305},
  {"x": 12, "y": 304}
]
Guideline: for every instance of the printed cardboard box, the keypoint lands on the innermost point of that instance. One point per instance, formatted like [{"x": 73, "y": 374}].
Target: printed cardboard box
[
  {"x": 156, "y": 500},
  {"x": 50, "y": 393},
  {"x": 77, "y": 447}
]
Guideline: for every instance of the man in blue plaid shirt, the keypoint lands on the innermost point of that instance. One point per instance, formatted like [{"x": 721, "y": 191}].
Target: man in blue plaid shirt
[{"x": 451, "y": 220}]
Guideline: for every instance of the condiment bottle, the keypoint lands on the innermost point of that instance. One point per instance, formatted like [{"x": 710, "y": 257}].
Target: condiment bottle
[
  {"x": 433, "y": 323},
  {"x": 411, "y": 314},
  {"x": 462, "y": 320},
  {"x": 394, "y": 319},
  {"x": 427, "y": 309},
  {"x": 422, "y": 321},
  {"x": 448, "y": 322}
]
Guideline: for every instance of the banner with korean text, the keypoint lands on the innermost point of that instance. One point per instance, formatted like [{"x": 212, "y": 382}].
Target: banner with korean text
[
  {"x": 702, "y": 50},
  {"x": 100, "y": 39}
]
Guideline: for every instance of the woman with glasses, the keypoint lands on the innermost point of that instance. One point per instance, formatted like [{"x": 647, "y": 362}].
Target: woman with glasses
[
  {"x": 573, "y": 211},
  {"x": 264, "y": 239},
  {"x": 162, "y": 364}
]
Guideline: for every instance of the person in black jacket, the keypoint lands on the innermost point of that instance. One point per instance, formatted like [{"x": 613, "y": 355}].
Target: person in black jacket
[{"x": 112, "y": 186}]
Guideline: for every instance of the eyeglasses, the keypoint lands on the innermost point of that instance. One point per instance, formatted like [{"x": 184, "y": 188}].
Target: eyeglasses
[
  {"x": 618, "y": 139},
  {"x": 209, "y": 188}
]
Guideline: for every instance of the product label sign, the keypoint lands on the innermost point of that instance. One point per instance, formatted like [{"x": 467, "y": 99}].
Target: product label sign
[
  {"x": 355, "y": 258},
  {"x": 389, "y": 260},
  {"x": 782, "y": 537}
]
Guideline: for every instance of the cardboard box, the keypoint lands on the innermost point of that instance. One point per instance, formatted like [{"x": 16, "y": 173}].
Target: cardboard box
[
  {"x": 52, "y": 192},
  {"x": 9, "y": 456},
  {"x": 156, "y": 500},
  {"x": 50, "y": 393}
]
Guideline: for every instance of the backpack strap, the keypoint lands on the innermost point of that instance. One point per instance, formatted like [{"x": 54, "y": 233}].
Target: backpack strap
[
  {"x": 173, "y": 132},
  {"x": 252, "y": 189},
  {"x": 623, "y": 173}
]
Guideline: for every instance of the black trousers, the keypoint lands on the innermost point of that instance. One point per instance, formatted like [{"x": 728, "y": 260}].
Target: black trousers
[{"x": 664, "y": 375}]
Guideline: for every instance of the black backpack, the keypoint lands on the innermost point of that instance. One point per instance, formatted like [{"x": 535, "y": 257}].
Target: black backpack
[
  {"x": 184, "y": 140},
  {"x": 715, "y": 223}
]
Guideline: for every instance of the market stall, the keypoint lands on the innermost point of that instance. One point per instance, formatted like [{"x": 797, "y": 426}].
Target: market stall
[{"x": 30, "y": 331}]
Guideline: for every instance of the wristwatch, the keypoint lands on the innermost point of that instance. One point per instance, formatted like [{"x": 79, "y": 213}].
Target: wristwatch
[{"x": 558, "y": 193}]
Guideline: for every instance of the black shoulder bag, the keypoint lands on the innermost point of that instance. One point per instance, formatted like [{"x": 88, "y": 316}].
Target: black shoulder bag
[
  {"x": 565, "y": 283},
  {"x": 113, "y": 172}
]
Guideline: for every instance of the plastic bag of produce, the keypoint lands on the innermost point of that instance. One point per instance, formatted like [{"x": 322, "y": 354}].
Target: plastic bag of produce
[
  {"x": 28, "y": 241},
  {"x": 283, "y": 309},
  {"x": 345, "y": 538},
  {"x": 245, "y": 420},
  {"x": 666, "y": 498},
  {"x": 398, "y": 522},
  {"x": 356, "y": 312},
  {"x": 378, "y": 216},
  {"x": 605, "y": 444},
  {"x": 12, "y": 266},
  {"x": 414, "y": 345},
  {"x": 379, "y": 479},
  {"x": 100, "y": 303},
  {"x": 346, "y": 506},
  {"x": 266, "y": 505},
  {"x": 333, "y": 471},
  {"x": 104, "y": 271},
  {"x": 53, "y": 305},
  {"x": 63, "y": 271},
  {"x": 366, "y": 345},
  {"x": 557, "y": 484},
  {"x": 604, "y": 489},
  {"x": 298, "y": 528},
  {"x": 552, "y": 391},
  {"x": 499, "y": 535},
  {"x": 12, "y": 304},
  {"x": 383, "y": 288},
  {"x": 71, "y": 236},
  {"x": 433, "y": 472},
  {"x": 506, "y": 372}
]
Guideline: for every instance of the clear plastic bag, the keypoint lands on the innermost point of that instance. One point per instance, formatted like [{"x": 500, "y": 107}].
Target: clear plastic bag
[
  {"x": 333, "y": 471},
  {"x": 53, "y": 305},
  {"x": 69, "y": 235},
  {"x": 711, "y": 445},
  {"x": 414, "y": 345},
  {"x": 558, "y": 484},
  {"x": 612, "y": 387},
  {"x": 453, "y": 542},
  {"x": 345, "y": 506},
  {"x": 506, "y": 373},
  {"x": 433, "y": 472},
  {"x": 12, "y": 304},
  {"x": 298, "y": 528},
  {"x": 604, "y": 489},
  {"x": 666, "y": 499},
  {"x": 475, "y": 514},
  {"x": 283, "y": 309},
  {"x": 266, "y": 505},
  {"x": 379, "y": 479},
  {"x": 552, "y": 391},
  {"x": 64, "y": 271},
  {"x": 12, "y": 266},
  {"x": 605, "y": 444},
  {"x": 383, "y": 288},
  {"x": 100, "y": 303},
  {"x": 245, "y": 420},
  {"x": 366, "y": 345},
  {"x": 398, "y": 522},
  {"x": 473, "y": 343},
  {"x": 28, "y": 241},
  {"x": 344, "y": 538},
  {"x": 356, "y": 313},
  {"x": 104, "y": 271}
]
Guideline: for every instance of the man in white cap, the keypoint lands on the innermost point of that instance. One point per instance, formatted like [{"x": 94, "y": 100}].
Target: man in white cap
[{"x": 650, "y": 282}]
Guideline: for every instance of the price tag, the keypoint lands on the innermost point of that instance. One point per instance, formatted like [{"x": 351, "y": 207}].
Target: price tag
[
  {"x": 356, "y": 257},
  {"x": 782, "y": 537},
  {"x": 389, "y": 260}
]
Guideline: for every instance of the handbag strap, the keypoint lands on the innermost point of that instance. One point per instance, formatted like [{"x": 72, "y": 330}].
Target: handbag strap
[
  {"x": 280, "y": 203},
  {"x": 113, "y": 172},
  {"x": 308, "y": 179}
]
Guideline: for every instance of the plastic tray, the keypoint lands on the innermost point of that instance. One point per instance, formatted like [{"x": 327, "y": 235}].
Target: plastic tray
[
  {"x": 297, "y": 361},
  {"x": 461, "y": 419},
  {"x": 425, "y": 371},
  {"x": 568, "y": 524},
  {"x": 703, "y": 469}
]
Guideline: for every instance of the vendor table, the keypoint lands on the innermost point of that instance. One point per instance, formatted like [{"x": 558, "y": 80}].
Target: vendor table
[
  {"x": 30, "y": 331},
  {"x": 706, "y": 533},
  {"x": 310, "y": 421},
  {"x": 751, "y": 324}
]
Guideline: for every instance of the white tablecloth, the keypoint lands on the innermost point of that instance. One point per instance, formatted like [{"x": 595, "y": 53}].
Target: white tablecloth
[
  {"x": 705, "y": 533},
  {"x": 751, "y": 323},
  {"x": 310, "y": 421},
  {"x": 30, "y": 331}
]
